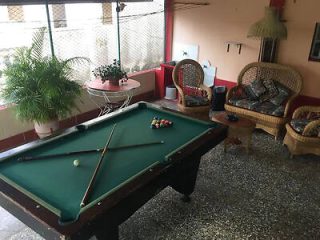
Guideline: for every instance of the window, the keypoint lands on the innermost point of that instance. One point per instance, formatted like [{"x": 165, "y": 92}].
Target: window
[
  {"x": 88, "y": 30},
  {"x": 17, "y": 25},
  {"x": 106, "y": 13},
  {"x": 15, "y": 13},
  {"x": 59, "y": 15},
  {"x": 142, "y": 35}
]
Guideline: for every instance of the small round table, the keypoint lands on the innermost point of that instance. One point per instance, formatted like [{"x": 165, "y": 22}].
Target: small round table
[
  {"x": 113, "y": 96},
  {"x": 237, "y": 130}
]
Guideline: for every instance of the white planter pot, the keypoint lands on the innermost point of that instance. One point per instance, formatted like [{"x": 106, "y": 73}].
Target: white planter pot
[{"x": 46, "y": 129}]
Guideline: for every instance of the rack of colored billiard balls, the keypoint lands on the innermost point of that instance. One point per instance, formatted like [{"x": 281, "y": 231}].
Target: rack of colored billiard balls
[{"x": 160, "y": 123}]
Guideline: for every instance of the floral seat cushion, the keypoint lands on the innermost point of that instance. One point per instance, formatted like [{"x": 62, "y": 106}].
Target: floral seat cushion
[
  {"x": 265, "y": 97},
  {"x": 244, "y": 103},
  {"x": 192, "y": 101},
  {"x": 270, "y": 109},
  {"x": 299, "y": 125},
  {"x": 261, "y": 107}
]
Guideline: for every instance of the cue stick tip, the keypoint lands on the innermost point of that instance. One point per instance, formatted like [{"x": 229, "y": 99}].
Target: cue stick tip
[{"x": 162, "y": 142}]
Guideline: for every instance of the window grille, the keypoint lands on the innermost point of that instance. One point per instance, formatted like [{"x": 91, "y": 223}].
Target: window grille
[
  {"x": 59, "y": 15},
  {"x": 87, "y": 30},
  {"x": 142, "y": 35},
  {"x": 16, "y": 13},
  {"x": 107, "y": 13}
]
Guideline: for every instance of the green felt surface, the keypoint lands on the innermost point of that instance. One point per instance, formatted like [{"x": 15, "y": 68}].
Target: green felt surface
[{"x": 58, "y": 183}]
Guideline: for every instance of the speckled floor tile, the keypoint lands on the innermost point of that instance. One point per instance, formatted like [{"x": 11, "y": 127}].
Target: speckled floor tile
[{"x": 265, "y": 195}]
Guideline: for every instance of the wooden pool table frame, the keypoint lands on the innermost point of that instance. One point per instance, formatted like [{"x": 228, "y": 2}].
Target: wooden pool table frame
[{"x": 103, "y": 219}]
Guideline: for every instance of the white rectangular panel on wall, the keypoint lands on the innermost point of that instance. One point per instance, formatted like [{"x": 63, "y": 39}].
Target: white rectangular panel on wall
[
  {"x": 209, "y": 73},
  {"x": 183, "y": 51}
]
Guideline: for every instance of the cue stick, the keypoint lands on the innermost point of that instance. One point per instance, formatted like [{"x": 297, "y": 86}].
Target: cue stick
[
  {"x": 21, "y": 159},
  {"x": 95, "y": 173}
]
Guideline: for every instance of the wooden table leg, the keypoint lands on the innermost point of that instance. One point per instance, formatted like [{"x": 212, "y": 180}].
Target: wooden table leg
[{"x": 237, "y": 130}]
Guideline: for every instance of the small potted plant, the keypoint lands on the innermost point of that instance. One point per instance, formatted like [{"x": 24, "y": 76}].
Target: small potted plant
[
  {"x": 112, "y": 73},
  {"x": 41, "y": 88}
]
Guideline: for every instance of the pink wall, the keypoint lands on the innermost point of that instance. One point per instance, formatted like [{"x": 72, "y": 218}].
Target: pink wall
[
  {"x": 212, "y": 26},
  {"x": 301, "y": 17}
]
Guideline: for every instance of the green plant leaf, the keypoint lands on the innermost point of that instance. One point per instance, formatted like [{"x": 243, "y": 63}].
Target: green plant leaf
[{"x": 41, "y": 87}]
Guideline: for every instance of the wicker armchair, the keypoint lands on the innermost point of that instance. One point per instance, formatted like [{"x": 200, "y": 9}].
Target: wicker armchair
[
  {"x": 282, "y": 74},
  {"x": 194, "y": 96},
  {"x": 303, "y": 132}
]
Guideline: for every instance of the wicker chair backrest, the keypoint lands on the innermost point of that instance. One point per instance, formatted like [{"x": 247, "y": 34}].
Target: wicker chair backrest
[
  {"x": 188, "y": 73},
  {"x": 286, "y": 75}
]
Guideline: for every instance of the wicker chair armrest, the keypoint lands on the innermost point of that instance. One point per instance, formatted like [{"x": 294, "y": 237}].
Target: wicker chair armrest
[
  {"x": 181, "y": 94},
  {"x": 231, "y": 92},
  {"x": 300, "y": 111},
  {"x": 207, "y": 89},
  {"x": 288, "y": 105},
  {"x": 311, "y": 127}
]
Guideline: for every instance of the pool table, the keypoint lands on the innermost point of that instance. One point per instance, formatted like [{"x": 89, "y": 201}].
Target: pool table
[{"x": 46, "y": 193}]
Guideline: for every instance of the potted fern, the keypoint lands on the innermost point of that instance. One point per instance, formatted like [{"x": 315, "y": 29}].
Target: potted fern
[
  {"x": 41, "y": 87},
  {"x": 112, "y": 73}
]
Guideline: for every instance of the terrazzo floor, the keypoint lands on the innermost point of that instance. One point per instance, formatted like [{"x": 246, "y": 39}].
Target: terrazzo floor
[{"x": 263, "y": 195}]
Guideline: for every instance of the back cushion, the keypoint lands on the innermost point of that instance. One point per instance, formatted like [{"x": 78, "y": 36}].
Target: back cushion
[
  {"x": 194, "y": 91},
  {"x": 282, "y": 96},
  {"x": 257, "y": 87}
]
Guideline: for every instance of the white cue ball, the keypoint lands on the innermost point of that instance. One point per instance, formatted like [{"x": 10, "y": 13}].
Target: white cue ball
[{"x": 76, "y": 163}]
